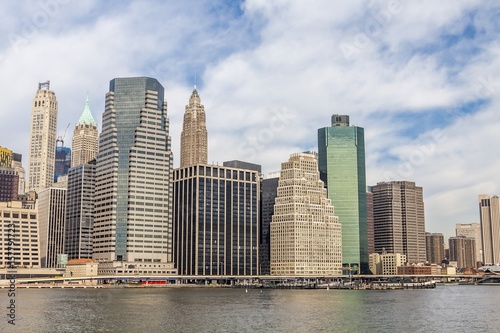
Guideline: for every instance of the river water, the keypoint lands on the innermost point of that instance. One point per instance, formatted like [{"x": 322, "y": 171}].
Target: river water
[{"x": 444, "y": 309}]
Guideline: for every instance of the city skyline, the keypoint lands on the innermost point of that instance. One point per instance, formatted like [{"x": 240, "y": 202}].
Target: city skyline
[{"x": 434, "y": 86}]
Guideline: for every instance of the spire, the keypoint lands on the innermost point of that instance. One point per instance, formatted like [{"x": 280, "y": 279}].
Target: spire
[{"x": 86, "y": 117}]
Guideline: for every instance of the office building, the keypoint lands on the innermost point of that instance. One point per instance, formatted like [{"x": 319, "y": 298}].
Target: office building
[
  {"x": 17, "y": 165},
  {"x": 9, "y": 184},
  {"x": 51, "y": 205},
  {"x": 42, "y": 150},
  {"x": 399, "y": 223},
  {"x": 80, "y": 211},
  {"x": 463, "y": 251},
  {"x": 369, "y": 221},
  {"x": 133, "y": 193},
  {"x": 471, "y": 230},
  {"x": 306, "y": 236},
  {"x": 386, "y": 263},
  {"x": 489, "y": 213},
  {"x": 216, "y": 220},
  {"x": 269, "y": 191},
  {"x": 85, "y": 138},
  {"x": 341, "y": 156},
  {"x": 434, "y": 243},
  {"x": 194, "y": 140},
  {"x": 63, "y": 161}
]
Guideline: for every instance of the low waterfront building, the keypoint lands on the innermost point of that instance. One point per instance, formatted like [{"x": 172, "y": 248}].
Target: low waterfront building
[
  {"x": 139, "y": 268},
  {"x": 415, "y": 270},
  {"x": 387, "y": 263},
  {"x": 81, "y": 268}
]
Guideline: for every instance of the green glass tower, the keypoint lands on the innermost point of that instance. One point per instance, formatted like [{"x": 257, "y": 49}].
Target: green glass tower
[{"x": 341, "y": 161}]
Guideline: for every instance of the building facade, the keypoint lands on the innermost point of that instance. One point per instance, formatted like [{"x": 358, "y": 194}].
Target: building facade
[
  {"x": 434, "y": 243},
  {"x": 42, "y": 150},
  {"x": 216, "y": 220},
  {"x": 194, "y": 138},
  {"x": 80, "y": 211},
  {"x": 369, "y": 221},
  {"x": 399, "y": 222},
  {"x": 341, "y": 156},
  {"x": 133, "y": 193},
  {"x": 9, "y": 184},
  {"x": 489, "y": 213},
  {"x": 63, "y": 162},
  {"x": 471, "y": 230},
  {"x": 387, "y": 263},
  {"x": 51, "y": 205},
  {"x": 85, "y": 141},
  {"x": 463, "y": 251},
  {"x": 19, "y": 229},
  {"x": 269, "y": 193},
  {"x": 306, "y": 236}
]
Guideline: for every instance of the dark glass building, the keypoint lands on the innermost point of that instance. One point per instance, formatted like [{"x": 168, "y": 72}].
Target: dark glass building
[
  {"x": 216, "y": 220},
  {"x": 63, "y": 162},
  {"x": 269, "y": 192}
]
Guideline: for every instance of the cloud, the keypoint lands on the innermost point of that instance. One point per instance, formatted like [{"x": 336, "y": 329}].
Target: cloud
[{"x": 271, "y": 73}]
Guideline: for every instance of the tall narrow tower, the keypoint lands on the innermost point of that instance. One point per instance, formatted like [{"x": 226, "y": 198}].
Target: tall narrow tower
[
  {"x": 133, "y": 216},
  {"x": 341, "y": 159},
  {"x": 85, "y": 138},
  {"x": 194, "y": 142},
  {"x": 42, "y": 153}
]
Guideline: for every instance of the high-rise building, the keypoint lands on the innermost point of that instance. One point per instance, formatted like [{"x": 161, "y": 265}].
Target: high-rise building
[
  {"x": 17, "y": 165},
  {"x": 306, "y": 237},
  {"x": 80, "y": 211},
  {"x": 133, "y": 193},
  {"x": 489, "y": 212},
  {"x": 19, "y": 225},
  {"x": 194, "y": 142},
  {"x": 462, "y": 250},
  {"x": 369, "y": 221},
  {"x": 63, "y": 161},
  {"x": 9, "y": 184},
  {"x": 85, "y": 138},
  {"x": 42, "y": 151},
  {"x": 216, "y": 220},
  {"x": 399, "y": 222},
  {"x": 269, "y": 191},
  {"x": 434, "y": 243},
  {"x": 341, "y": 155},
  {"x": 471, "y": 230},
  {"x": 51, "y": 205}
]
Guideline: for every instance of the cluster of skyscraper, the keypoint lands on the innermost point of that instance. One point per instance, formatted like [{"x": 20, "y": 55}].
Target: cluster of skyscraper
[{"x": 123, "y": 204}]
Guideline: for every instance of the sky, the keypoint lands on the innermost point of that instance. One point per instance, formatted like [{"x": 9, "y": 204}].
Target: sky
[{"x": 421, "y": 77}]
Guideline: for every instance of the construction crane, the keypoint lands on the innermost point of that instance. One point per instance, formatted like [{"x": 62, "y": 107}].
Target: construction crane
[{"x": 61, "y": 138}]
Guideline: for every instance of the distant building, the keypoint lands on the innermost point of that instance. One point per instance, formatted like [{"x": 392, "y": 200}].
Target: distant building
[
  {"x": 341, "y": 159},
  {"x": 42, "y": 149},
  {"x": 370, "y": 232},
  {"x": 306, "y": 236},
  {"x": 9, "y": 184},
  {"x": 85, "y": 142},
  {"x": 19, "y": 225},
  {"x": 489, "y": 212},
  {"x": 194, "y": 139},
  {"x": 17, "y": 165},
  {"x": 463, "y": 251},
  {"x": 63, "y": 162},
  {"x": 80, "y": 205},
  {"x": 415, "y": 270},
  {"x": 269, "y": 191},
  {"x": 51, "y": 206},
  {"x": 434, "y": 243},
  {"x": 399, "y": 223},
  {"x": 471, "y": 230},
  {"x": 387, "y": 263},
  {"x": 216, "y": 220}
]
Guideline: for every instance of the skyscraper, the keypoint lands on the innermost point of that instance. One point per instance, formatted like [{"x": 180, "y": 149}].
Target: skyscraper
[
  {"x": 194, "y": 142},
  {"x": 80, "y": 211},
  {"x": 133, "y": 217},
  {"x": 216, "y": 220},
  {"x": 306, "y": 237},
  {"x": 434, "y": 243},
  {"x": 399, "y": 222},
  {"x": 341, "y": 155},
  {"x": 85, "y": 138},
  {"x": 63, "y": 161},
  {"x": 462, "y": 250},
  {"x": 269, "y": 192},
  {"x": 51, "y": 207},
  {"x": 369, "y": 221},
  {"x": 42, "y": 151},
  {"x": 471, "y": 230},
  {"x": 489, "y": 212}
]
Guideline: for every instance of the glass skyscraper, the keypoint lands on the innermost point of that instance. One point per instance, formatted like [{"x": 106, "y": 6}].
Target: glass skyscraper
[
  {"x": 341, "y": 159},
  {"x": 133, "y": 217}
]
